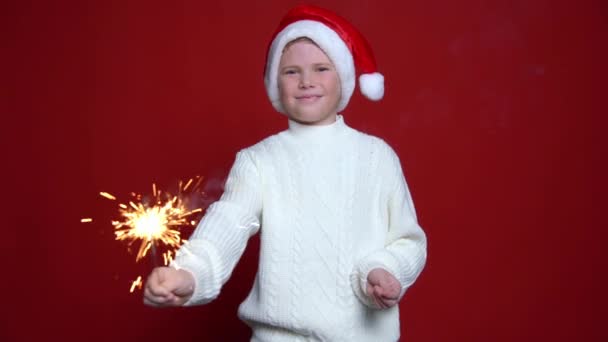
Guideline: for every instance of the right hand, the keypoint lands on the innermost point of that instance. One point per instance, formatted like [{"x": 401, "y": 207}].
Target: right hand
[{"x": 167, "y": 286}]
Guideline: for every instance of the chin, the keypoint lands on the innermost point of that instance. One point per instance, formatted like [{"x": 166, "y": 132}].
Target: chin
[
  {"x": 304, "y": 120},
  {"x": 313, "y": 120}
]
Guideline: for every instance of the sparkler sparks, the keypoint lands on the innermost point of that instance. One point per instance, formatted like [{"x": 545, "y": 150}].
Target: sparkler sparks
[
  {"x": 137, "y": 283},
  {"x": 153, "y": 224},
  {"x": 156, "y": 221},
  {"x": 107, "y": 195}
]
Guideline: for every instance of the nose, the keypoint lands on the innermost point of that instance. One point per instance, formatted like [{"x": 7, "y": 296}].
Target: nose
[{"x": 305, "y": 80}]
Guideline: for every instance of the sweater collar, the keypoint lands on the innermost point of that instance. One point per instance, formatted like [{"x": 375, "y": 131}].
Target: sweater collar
[{"x": 317, "y": 132}]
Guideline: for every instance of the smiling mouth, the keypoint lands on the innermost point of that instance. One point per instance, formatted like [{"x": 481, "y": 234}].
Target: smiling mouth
[{"x": 308, "y": 97}]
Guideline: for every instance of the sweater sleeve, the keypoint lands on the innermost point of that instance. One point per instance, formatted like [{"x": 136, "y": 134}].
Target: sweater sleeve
[
  {"x": 404, "y": 254},
  {"x": 218, "y": 242}
]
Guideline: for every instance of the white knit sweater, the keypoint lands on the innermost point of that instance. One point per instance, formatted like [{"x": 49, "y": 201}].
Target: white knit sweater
[{"x": 332, "y": 204}]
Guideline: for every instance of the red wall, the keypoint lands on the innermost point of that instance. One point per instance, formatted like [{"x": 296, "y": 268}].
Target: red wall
[{"x": 496, "y": 109}]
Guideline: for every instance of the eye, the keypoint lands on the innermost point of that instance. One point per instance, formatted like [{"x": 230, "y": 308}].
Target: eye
[
  {"x": 323, "y": 68},
  {"x": 289, "y": 72}
]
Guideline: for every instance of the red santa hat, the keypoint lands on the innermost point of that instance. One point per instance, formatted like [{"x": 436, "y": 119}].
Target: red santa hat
[{"x": 339, "y": 39}]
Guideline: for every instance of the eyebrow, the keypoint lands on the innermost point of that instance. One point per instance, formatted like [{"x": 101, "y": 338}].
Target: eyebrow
[{"x": 313, "y": 64}]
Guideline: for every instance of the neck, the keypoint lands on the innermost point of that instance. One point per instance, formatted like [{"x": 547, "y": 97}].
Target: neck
[{"x": 316, "y": 131}]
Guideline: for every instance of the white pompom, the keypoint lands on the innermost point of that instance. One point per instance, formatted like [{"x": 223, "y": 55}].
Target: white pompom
[{"x": 372, "y": 85}]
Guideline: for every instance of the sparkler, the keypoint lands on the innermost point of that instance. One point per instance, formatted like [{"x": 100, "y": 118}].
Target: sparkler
[{"x": 156, "y": 221}]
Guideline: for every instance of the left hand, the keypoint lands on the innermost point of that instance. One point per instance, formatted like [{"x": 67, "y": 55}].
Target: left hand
[{"x": 383, "y": 288}]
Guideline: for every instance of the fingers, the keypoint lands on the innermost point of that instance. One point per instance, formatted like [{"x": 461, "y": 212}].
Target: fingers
[
  {"x": 389, "y": 303},
  {"x": 156, "y": 300},
  {"x": 387, "y": 297},
  {"x": 370, "y": 289},
  {"x": 383, "y": 287},
  {"x": 374, "y": 293},
  {"x": 156, "y": 295},
  {"x": 371, "y": 293},
  {"x": 156, "y": 292},
  {"x": 390, "y": 291},
  {"x": 382, "y": 297},
  {"x": 378, "y": 297},
  {"x": 392, "y": 288},
  {"x": 181, "y": 283}
]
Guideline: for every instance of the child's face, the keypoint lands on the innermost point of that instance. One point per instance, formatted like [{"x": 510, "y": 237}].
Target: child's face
[{"x": 309, "y": 85}]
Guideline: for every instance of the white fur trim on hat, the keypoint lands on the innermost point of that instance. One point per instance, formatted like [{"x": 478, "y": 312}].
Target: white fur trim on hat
[
  {"x": 372, "y": 85},
  {"x": 328, "y": 40}
]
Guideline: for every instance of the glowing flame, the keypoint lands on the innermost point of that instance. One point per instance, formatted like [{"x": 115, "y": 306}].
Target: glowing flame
[{"x": 155, "y": 222}]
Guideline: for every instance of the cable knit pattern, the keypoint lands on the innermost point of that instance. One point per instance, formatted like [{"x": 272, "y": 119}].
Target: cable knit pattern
[
  {"x": 333, "y": 204},
  {"x": 296, "y": 239}
]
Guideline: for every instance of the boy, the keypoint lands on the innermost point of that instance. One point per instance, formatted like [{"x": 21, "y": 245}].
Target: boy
[{"x": 340, "y": 243}]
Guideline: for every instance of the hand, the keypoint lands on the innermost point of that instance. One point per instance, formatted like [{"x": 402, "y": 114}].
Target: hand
[
  {"x": 167, "y": 286},
  {"x": 383, "y": 288}
]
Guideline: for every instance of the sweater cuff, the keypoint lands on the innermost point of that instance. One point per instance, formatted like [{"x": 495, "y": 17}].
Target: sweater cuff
[
  {"x": 206, "y": 284},
  {"x": 380, "y": 259}
]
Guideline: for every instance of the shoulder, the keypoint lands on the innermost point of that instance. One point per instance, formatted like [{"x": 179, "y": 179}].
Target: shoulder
[
  {"x": 264, "y": 147},
  {"x": 378, "y": 153},
  {"x": 373, "y": 144}
]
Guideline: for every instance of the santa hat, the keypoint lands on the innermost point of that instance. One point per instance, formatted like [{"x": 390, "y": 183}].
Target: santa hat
[{"x": 339, "y": 39}]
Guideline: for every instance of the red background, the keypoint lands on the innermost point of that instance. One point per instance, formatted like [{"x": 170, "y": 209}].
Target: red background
[{"x": 495, "y": 108}]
